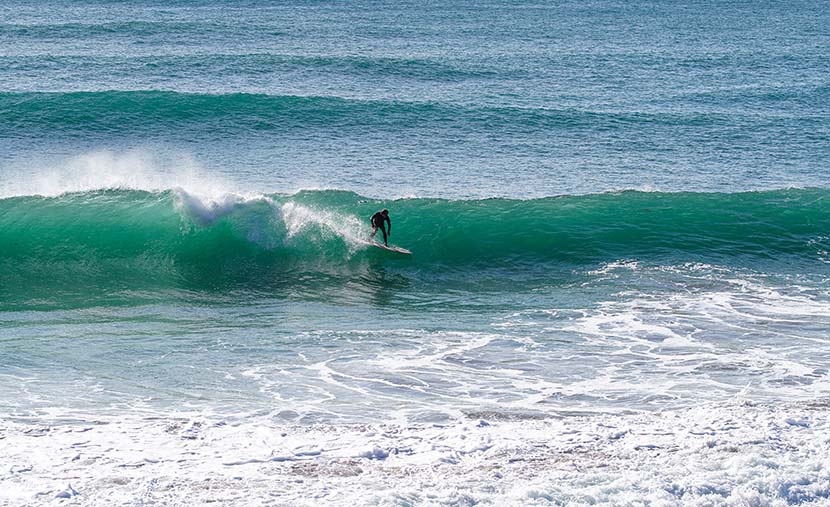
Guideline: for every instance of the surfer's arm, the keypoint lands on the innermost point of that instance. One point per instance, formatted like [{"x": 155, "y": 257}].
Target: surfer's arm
[{"x": 388, "y": 226}]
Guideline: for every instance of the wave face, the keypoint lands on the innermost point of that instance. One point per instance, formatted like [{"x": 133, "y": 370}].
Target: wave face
[{"x": 115, "y": 240}]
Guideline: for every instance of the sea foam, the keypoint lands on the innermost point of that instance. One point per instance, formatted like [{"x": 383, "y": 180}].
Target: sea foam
[{"x": 726, "y": 454}]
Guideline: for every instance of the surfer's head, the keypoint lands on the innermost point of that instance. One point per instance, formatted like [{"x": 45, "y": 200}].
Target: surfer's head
[{"x": 384, "y": 212}]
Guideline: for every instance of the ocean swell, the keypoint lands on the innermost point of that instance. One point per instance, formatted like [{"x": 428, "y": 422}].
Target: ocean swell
[
  {"x": 144, "y": 240},
  {"x": 148, "y": 111}
]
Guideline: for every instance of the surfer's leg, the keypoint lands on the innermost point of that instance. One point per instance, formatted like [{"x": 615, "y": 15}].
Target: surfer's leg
[
  {"x": 383, "y": 229},
  {"x": 375, "y": 231}
]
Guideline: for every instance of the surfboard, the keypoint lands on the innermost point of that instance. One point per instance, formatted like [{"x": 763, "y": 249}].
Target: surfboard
[{"x": 395, "y": 249}]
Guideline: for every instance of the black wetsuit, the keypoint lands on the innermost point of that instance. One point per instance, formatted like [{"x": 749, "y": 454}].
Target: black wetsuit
[{"x": 378, "y": 220}]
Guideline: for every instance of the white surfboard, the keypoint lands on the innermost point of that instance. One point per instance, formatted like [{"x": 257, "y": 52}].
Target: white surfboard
[{"x": 395, "y": 249}]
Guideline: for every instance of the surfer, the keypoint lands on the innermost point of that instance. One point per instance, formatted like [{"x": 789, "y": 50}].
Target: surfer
[{"x": 379, "y": 220}]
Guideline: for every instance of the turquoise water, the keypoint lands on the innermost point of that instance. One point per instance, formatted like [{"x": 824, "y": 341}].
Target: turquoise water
[
  {"x": 130, "y": 247},
  {"x": 618, "y": 213}
]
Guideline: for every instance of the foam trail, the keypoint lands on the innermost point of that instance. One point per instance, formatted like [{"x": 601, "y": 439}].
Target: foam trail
[{"x": 299, "y": 218}]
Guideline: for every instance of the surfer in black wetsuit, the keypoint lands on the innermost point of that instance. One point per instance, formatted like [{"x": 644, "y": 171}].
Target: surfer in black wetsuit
[{"x": 379, "y": 221}]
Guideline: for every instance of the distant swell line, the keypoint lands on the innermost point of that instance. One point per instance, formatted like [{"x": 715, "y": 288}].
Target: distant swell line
[
  {"x": 254, "y": 63},
  {"x": 49, "y": 31},
  {"x": 76, "y": 113}
]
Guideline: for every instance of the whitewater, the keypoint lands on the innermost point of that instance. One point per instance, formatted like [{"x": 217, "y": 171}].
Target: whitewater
[{"x": 619, "y": 292}]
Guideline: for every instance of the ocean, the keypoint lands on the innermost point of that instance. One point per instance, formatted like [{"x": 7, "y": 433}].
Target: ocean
[{"x": 619, "y": 287}]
